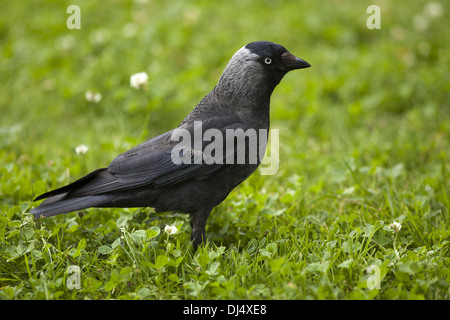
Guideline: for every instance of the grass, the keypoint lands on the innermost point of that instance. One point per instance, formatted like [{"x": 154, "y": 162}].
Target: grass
[{"x": 364, "y": 142}]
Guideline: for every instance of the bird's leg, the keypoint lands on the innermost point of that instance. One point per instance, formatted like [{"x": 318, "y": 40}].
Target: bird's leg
[{"x": 198, "y": 225}]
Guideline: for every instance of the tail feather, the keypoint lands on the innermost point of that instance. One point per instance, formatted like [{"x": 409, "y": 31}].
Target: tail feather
[
  {"x": 78, "y": 195},
  {"x": 52, "y": 207},
  {"x": 71, "y": 187},
  {"x": 52, "y": 199}
]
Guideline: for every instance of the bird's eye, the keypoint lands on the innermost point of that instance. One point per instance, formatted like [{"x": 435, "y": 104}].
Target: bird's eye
[{"x": 267, "y": 60}]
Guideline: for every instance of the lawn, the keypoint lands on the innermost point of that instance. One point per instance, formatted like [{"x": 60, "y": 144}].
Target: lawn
[{"x": 364, "y": 141}]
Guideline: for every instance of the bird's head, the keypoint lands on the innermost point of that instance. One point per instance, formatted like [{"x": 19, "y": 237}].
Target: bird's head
[{"x": 257, "y": 68}]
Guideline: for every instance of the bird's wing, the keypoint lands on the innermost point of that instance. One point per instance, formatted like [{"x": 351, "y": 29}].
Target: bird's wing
[{"x": 151, "y": 163}]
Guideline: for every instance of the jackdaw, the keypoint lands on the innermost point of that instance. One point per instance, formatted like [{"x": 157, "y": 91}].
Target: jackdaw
[{"x": 151, "y": 175}]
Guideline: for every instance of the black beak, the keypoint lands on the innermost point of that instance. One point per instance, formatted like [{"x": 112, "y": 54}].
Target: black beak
[{"x": 291, "y": 62}]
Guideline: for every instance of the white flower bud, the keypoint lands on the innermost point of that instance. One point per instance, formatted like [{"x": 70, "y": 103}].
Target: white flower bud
[
  {"x": 93, "y": 96},
  {"x": 395, "y": 226},
  {"x": 170, "y": 229},
  {"x": 81, "y": 149},
  {"x": 139, "y": 80}
]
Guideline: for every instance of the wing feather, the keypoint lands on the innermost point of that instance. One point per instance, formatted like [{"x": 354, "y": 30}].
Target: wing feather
[{"x": 150, "y": 163}]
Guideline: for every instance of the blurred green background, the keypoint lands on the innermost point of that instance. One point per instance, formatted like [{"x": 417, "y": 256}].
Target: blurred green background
[
  {"x": 371, "y": 116},
  {"x": 370, "y": 93}
]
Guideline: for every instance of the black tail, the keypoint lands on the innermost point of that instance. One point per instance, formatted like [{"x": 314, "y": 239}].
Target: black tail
[
  {"x": 65, "y": 206},
  {"x": 70, "y": 187},
  {"x": 78, "y": 195}
]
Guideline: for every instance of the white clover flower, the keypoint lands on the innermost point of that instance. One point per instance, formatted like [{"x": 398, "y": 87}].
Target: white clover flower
[
  {"x": 81, "y": 149},
  {"x": 93, "y": 96},
  {"x": 170, "y": 229},
  {"x": 395, "y": 226},
  {"x": 434, "y": 9},
  {"x": 139, "y": 80}
]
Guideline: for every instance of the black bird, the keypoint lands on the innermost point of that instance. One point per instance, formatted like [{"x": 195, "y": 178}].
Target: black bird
[{"x": 149, "y": 175}]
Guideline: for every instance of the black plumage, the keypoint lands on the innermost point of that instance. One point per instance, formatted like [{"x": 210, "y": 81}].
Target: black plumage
[{"x": 147, "y": 176}]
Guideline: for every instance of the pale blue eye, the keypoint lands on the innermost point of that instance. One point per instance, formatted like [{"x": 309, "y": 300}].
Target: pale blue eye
[{"x": 267, "y": 60}]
